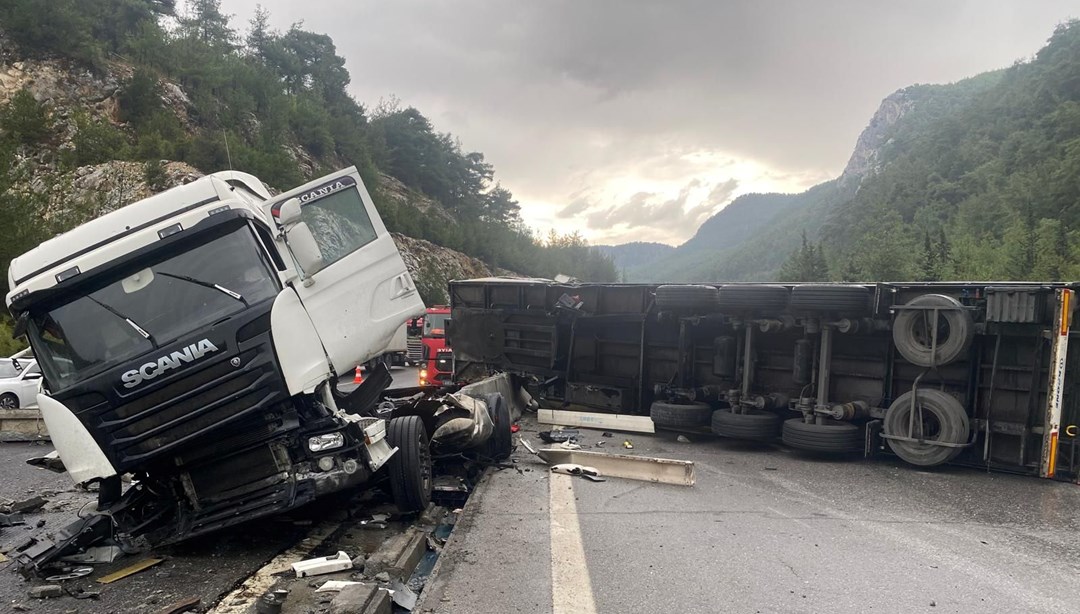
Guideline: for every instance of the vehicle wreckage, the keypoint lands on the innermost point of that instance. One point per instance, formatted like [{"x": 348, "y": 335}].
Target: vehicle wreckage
[{"x": 191, "y": 345}]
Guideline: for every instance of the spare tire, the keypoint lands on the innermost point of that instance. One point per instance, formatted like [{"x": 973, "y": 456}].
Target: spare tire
[
  {"x": 756, "y": 425},
  {"x": 832, "y": 437},
  {"x": 680, "y": 415},
  {"x": 913, "y": 331},
  {"x": 831, "y": 298},
  {"x": 695, "y": 298},
  {"x": 752, "y": 298},
  {"x": 943, "y": 419}
]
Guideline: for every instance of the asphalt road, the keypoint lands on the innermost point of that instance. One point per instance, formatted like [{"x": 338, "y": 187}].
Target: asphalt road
[{"x": 764, "y": 530}]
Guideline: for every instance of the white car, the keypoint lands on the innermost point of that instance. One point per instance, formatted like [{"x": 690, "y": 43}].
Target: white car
[{"x": 20, "y": 382}]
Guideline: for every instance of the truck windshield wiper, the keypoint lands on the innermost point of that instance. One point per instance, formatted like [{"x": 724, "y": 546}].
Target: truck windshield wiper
[
  {"x": 142, "y": 332},
  {"x": 206, "y": 284}
]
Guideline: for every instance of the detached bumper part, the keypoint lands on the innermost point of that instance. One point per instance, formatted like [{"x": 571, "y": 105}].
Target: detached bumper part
[{"x": 378, "y": 449}]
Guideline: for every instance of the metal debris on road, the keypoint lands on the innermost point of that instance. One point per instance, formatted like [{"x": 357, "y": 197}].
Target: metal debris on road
[
  {"x": 130, "y": 570},
  {"x": 589, "y": 473},
  {"x": 402, "y": 595},
  {"x": 558, "y": 436},
  {"x": 50, "y": 461},
  {"x": 645, "y": 468},
  {"x": 95, "y": 554},
  {"x": 74, "y": 574},
  {"x": 323, "y": 565},
  {"x": 615, "y": 422}
]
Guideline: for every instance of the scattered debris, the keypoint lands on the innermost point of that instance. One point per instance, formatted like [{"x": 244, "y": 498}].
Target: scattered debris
[
  {"x": 46, "y": 591},
  {"x": 402, "y": 595},
  {"x": 23, "y": 507},
  {"x": 566, "y": 445},
  {"x": 683, "y": 439},
  {"x": 629, "y": 445},
  {"x": 360, "y": 598},
  {"x": 74, "y": 574},
  {"x": 271, "y": 602},
  {"x": 589, "y": 473},
  {"x": 334, "y": 585},
  {"x": 607, "y": 434},
  {"x": 600, "y": 444},
  {"x": 185, "y": 605},
  {"x": 322, "y": 565},
  {"x": 50, "y": 461},
  {"x": 615, "y": 422},
  {"x": 96, "y": 554},
  {"x": 130, "y": 570},
  {"x": 515, "y": 428},
  {"x": 560, "y": 436},
  {"x": 10, "y": 520},
  {"x": 646, "y": 468},
  {"x": 382, "y": 576}
]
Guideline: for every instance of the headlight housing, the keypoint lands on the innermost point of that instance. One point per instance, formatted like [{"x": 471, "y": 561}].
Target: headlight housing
[{"x": 328, "y": 441}]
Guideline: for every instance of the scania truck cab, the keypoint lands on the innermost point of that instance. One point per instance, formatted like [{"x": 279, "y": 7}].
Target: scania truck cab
[{"x": 194, "y": 339}]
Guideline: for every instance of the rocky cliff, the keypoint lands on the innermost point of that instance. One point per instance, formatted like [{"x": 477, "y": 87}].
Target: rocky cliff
[{"x": 866, "y": 158}]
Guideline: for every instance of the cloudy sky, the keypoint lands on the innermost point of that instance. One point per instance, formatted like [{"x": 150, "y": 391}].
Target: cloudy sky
[{"x": 635, "y": 121}]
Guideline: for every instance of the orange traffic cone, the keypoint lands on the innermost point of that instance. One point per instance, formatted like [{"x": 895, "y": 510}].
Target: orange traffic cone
[{"x": 359, "y": 379}]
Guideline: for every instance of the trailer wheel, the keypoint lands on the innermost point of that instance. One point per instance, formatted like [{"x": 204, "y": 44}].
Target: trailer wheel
[
  {"x": 943, "y": 419},
  {"x": 913, "y": 331},
  {"x": 500, "y": 444},
  {"x": 756, "y": 425},
  {"x": 410, "y": 467},
  {"x": 680, "y": 415},
  {"x": 695, "y": 298},
  {"x": 756, "y": 298},
  {"x": 832, "y": 437},
  {"x": 839, "y": 299}
]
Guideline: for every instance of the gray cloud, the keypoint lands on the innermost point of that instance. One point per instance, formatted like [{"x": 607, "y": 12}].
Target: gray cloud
[{"x": 565, "y": 96}]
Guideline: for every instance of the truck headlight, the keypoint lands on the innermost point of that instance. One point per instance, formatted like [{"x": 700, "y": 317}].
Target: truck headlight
[{"x": 329, "y": 441}]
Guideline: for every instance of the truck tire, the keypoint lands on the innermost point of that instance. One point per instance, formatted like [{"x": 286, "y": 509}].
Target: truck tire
[
  {"x": 833, "y": 437},
  {"x": 693, "y": 298},
  {"x": 755, "y": 425},
  {"x": 686, "y": 415},
  {"x": 848, "y": 300},
  {"x": 756, "y": 298},
  {"x": 499, "y": 446},
  {"x": 912, "y": 334},
  {"x": 944, "y": 419},
  {"x": 410, "y": 466}
]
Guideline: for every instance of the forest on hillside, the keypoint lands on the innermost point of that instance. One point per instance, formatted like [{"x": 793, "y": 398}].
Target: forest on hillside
[
  {"x": 980, "y": 182},
  {"x": 266, "y": 93}
]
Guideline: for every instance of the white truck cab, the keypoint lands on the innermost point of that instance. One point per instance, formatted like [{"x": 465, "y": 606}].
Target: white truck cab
[{"x": 194, "y": 339}]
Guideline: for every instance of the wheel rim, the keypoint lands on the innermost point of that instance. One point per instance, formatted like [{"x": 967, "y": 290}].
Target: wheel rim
[
  {"x": 923, "y": 330},
  {"x": 8, "y": 402}
]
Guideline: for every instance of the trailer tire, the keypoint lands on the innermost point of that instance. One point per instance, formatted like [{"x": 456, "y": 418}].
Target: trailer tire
[
  {"x": 944, "y": 420},
  {"x": 410, "y": 466},
  {"x": 914, "y": 343},
  {"x": 832, "y": 437},
  {"x": 827, "y": 298},
  {"x": 500, "y": 445},
  {"x": 757, "y": 298},
  {"x": 687, "y": 415},
  {"x": 755, "y": 425},
  {"x": 695, "y": 298}
]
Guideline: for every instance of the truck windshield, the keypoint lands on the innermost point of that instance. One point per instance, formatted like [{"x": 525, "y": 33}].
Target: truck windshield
[
  {"x": 435, "y": 324},
  {"x": 137, "y": 311}
]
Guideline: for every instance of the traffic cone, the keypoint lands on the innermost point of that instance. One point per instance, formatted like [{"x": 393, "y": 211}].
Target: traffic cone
[{"x": 359, "y": 379}]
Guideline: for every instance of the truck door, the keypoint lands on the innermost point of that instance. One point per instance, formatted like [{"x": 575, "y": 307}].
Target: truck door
[{"x": 363, "y": 293}]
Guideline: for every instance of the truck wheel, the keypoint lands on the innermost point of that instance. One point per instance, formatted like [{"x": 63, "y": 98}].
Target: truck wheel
[
  {"x": 913, "y": 331},
  {"x": 757, "y": 425},
  {"x": 9, "y": 401},
  {"x": 680, "y": 415},
  {"x": 500, "y": 444},
  {"x": 943, "y": 419},
  {"x": 410, "y": 466},
  {"x": 832, "y": 437},
  {"x": 756, "y": 298},
  {"x": 694, "y": 298},
  {"x": 839, "y": 299}
]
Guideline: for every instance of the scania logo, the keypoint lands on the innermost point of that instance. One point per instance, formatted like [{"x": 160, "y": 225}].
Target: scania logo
[{"x": 168, "y": 362}]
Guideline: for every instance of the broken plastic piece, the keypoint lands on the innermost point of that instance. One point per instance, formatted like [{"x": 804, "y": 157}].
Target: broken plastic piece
[
  {"x": 629, "y": 445},
  {"x": 402, "y": 595},
  {"x": 323, "y": 565},
  {"x": 95, "y": 554},
  {"x": 130, "y": 570},
  {"x": 558, "y": 436},
  {"x": 515, "y": 428},
  {"x": 566, "y": 445},
  {"x": 573, "y": 469},
  {"x": 334, "y": 585}
]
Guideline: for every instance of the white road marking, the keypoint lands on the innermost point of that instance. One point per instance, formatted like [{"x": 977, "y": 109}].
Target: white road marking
[
  {"x": 240, "y": 600},
  {"x": 571, "y": 588}
]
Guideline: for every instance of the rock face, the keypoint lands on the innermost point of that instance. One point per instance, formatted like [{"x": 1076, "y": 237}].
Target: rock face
[
  {"x": 865, "y": 159},
  {"x": 431, "y": 266},
  {"x": 395, "y": 191}
]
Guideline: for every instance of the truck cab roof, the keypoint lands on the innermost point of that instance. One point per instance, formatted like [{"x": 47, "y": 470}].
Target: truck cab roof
[{"x": 136, "y": 225}]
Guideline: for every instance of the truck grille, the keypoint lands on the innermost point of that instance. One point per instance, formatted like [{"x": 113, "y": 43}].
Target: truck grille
[{"x": 415, "y": 347}]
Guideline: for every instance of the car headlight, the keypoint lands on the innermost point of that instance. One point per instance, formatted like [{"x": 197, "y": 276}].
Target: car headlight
[{"x": 329, "y": 441}]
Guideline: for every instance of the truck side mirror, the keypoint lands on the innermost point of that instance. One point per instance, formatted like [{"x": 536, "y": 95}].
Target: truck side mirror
[
  {"x": 289, "y": 213},
  {"x": 304, "y": 248}
]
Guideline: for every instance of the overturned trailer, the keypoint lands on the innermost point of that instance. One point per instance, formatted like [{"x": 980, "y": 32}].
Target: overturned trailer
[{"x": 968, "y": 373}]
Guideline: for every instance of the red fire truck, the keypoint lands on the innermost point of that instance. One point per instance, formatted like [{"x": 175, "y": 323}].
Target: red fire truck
[{"x": 437, "y": 366}]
